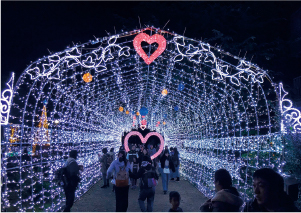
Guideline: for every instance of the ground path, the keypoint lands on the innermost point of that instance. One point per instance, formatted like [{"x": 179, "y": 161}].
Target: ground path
[{"x": 103, "y": 200}]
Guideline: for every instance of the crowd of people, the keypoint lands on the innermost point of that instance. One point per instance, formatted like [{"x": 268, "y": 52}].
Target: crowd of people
[{"x": 127, "y": 168}]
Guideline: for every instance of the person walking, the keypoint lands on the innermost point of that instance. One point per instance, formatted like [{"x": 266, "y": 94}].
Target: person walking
[
  {"x": 135, "y": 169},
  {"x": 227, "y": 198},
  {"x": 140, "y": 154},
  {"x": 151, "y": 150},
  {"x": 130, "y": 157},
  {"x": 144, "y": 153},
  {"x": 121, "y": 167},
  {"x": 112, "y": 153},
  {"x": 148, "y": 181},
  {"x": 171, "y": 153},
  {"x": 111, "y": 158},
  {"x": 167, "y": 167},
  {"x": 72, "y": 179},
  {"x": 268, "y": 188},
  {"x": 176, "y": 161},
  {"x": 104, "y": 167}
]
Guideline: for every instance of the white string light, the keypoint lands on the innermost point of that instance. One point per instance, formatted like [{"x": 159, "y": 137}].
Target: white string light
[{"x": 216, "y": 110}]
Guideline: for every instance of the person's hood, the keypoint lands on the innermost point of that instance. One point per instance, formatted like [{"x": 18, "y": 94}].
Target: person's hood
[
  {"x": 227, "y": 197},
  {"x": 69, "y": 160}
]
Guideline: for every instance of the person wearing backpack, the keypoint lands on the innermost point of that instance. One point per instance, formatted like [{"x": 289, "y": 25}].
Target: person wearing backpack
[
  {"x": 121, "y": 167},
  {"x": 148, "y": 182},
  {"x": 72, "y": 179}
]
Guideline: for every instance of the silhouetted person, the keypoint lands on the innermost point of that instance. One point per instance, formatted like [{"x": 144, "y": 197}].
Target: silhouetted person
[
  {"x": 104, "y": 167},
  {"x": 268, "y": 188},
  {"x": 175, "y": 199},
  {"x": 176, "y": 161},
  {"x": 121, "y": 167},
  {"x": 227, "y": 198},
  {"x": 167, "y": 167},
  {"x": 147, "y": 187},
  {"x": 140, "y": 154},
  {"x": 151, "y": 150},
  {"x": 72, "y": 174}
]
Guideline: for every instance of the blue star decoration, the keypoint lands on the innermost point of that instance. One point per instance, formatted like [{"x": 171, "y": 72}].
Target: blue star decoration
[{"x": 45, "y": 102}]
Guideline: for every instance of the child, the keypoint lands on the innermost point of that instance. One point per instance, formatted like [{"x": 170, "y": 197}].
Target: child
[
  {"x": 135, "y": 168},
  {"x": 174, "y": 199}
]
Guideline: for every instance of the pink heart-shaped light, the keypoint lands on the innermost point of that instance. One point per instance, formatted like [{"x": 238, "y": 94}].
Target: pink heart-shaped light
[
  {"x": 149, "y": 39},
  {"x": 143, "y": 140}
]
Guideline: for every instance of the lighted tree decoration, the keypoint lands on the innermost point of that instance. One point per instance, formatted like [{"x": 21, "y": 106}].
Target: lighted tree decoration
[{"x": 220, "y": 111}]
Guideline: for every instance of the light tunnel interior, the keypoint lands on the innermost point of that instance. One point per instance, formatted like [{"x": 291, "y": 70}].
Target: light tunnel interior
[{"x": 220, "y": 112}]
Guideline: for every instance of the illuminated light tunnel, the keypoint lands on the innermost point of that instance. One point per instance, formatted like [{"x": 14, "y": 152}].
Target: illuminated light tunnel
[{"x": 219, "y": 110}]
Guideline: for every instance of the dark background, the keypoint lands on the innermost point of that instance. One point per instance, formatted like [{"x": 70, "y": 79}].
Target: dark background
[{"x": 267, "y": 33}]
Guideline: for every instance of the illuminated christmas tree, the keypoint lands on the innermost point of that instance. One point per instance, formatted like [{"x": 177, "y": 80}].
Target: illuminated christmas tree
[{"x": 42, "y": 133}]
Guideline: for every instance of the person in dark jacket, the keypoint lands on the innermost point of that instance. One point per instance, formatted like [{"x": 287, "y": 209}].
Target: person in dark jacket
[
  {"x": 227, "y": 198},
  {"x": 140, "y": 154},
  {"x": 151, "y": 150},
  {"x": 167, "y": 166},
  {"x": 72, "y": 175},
  {"x": 268, "y": 187},
  {"x": 144, "y": 153},
  {"x": 176, "y": 161},
  {"x": 145, "y": 172}
]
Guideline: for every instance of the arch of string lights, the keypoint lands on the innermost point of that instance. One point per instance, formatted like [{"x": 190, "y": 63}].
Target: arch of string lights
[{"x": 220, "y": 110}]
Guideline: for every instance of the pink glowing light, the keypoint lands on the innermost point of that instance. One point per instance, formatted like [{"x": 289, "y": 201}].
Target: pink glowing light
[
  {"x": 143, "y": 140},
  {"x": 149, "y": 39}
]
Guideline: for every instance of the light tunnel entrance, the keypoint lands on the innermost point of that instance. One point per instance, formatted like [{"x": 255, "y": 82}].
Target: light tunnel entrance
[{"x": 219, "y": 110}]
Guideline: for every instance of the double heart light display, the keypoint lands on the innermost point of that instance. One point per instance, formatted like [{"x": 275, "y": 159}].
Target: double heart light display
[{"x": 216, "y": 108}]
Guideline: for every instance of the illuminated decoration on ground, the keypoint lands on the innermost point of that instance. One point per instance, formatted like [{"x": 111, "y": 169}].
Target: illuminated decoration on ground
[
  {"x": 228, "y": 114},
  {"x": 127, "y": 112},
  {"x": 42, "y": 133},
  {"x": 6, "y": 97},
  {"x": 87, "y": 77},
  {"x": 144, "y": 140},
  {"x": 149, "y": 39}
]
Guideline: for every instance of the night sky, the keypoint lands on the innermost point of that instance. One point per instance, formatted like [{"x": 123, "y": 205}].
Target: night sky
[{"x": 263, "y": 31}]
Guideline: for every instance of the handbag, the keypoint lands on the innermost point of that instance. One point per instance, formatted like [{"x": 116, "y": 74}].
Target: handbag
[{"x": 166, "y": 170}]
